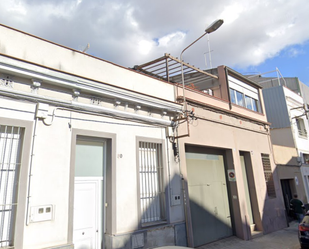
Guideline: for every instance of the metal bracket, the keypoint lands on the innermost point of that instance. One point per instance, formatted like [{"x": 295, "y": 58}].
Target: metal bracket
[{"x": 188, "y": 130}]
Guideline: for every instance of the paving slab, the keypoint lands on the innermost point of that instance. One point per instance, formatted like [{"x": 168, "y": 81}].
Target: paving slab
[{"x": 286, "y": 238}]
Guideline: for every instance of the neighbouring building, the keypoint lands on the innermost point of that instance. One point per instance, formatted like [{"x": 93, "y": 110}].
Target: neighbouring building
[
  {"x": 86, "y": 155},
  {"x": 286, "y": 103},
  {"x": 229, "y": 175}
]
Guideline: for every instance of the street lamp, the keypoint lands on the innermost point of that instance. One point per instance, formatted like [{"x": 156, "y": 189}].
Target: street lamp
[{"x": 211, "y": 28}]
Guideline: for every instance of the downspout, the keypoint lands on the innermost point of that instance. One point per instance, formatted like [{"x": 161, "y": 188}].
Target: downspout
[
  {"x": 185, "y": 200},
  {"x": 168, "y": 164},
  {"x": 30, "y": 171}
]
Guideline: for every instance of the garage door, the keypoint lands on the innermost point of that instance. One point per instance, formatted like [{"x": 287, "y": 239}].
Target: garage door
[{"x": 210, "y": 212}]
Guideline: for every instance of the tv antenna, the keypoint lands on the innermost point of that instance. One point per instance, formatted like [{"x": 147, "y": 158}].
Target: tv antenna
[
  {"x": 209, "y": 53},
  {"x": 86, "y": 48}
]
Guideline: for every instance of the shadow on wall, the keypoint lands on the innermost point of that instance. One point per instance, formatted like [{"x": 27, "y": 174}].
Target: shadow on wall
[
  {"x": 211, "y": 224},
  {"x": 290, "y": 181},
  {"x": 211, "y": 221},
  {"x": 274, "y": 213},
  {"x": 154, "y": 229},
  {"x": 210, "y": 218}
]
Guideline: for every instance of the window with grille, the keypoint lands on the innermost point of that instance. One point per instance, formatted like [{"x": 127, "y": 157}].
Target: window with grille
[
  {"x": 10, "y": 151},
  {"x": 271, "y": 192},
  {"x": 152, "y": 195}
]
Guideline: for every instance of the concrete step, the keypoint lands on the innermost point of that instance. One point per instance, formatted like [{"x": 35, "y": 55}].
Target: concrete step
[
  {"x": 256, "y": 234},
  {"x": 252, "y": 227}
]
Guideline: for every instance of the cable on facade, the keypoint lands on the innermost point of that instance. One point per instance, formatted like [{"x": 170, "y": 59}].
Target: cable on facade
[
  {"x": 235, "y": 126},
  {"x": 90, "y": 120}
]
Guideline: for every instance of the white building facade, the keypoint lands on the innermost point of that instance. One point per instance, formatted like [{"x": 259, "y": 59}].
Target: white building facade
[{"x": 85, "y": 158}]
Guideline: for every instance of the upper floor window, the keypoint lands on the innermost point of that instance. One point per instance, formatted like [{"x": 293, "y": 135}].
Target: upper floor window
[
  {"x": 251, "y": 103},
  {"x": 244, "y": 95},
  {"x": 301, "y": 127},
  {"x": 306, "y": 158},
  {"x": 237, "y": 97}
]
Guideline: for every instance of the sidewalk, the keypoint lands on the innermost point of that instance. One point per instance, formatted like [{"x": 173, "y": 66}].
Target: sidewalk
[{"x": 283, "y": 239}]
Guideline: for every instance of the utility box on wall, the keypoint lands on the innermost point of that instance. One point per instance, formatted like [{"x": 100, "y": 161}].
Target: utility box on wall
[
  {"x": 41, "y": 213},
  {"x": 175, "y": 200}
]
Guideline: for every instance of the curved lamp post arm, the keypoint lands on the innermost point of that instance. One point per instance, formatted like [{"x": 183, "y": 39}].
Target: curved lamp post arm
[
  {"x": 182, "y": 74},
  {"x": 211, "y": 28}
]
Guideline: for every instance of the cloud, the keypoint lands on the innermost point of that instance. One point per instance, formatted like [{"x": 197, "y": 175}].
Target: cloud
[
  {"x": 145, "y": 46},
  {"x": 17, "y": 8},
  {"x": 172, "y": 39},
  {"x": 294, "y": 52},
  {"x": 232, "y": 12},
  {"x": 133, "y": 32}
]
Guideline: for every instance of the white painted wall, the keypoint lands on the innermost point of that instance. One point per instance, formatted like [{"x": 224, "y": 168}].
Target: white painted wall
[
  {"x": 51, "y": 165},
  {"x": 33, "y": 49},
  {"x": 52, "y": 146}
]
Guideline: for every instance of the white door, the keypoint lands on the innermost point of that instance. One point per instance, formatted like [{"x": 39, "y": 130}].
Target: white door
[
  {"x": 86, "y": 227},
  {"x": 88, "y": 220}
]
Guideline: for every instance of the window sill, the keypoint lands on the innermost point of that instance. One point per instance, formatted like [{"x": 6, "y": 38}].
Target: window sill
[{"x": 303, "y": 136}]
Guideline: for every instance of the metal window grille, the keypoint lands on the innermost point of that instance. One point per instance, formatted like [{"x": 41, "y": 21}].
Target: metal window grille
[
  {"x": 271, "y": 191},
  {"x": 152, "y": 195},
  {"x": 10, "y": 150}
]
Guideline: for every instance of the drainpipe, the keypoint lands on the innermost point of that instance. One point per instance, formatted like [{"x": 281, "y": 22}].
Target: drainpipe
[
  {"x": 168, "y": 166},
  {"x": 184, "y": 197},
  {"x": 30, "y": 171}
]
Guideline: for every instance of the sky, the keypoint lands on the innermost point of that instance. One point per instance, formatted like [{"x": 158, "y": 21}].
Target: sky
[{"x": 257, "y": 36}]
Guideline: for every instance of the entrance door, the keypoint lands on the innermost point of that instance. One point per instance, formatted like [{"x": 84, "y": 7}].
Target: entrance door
[
  {"x": 210, "y": 213},
  {"x": 88, "y": 228},
  {"x": 287, "y": 195},
  {"x": 247, "y": 192},
  {"x": 86, "y": 213}
]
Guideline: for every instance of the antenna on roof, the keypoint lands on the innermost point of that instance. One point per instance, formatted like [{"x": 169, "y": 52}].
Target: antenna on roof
[
  {"x": 205, "y": 56},
  {"x": 86, "y": 48}
]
